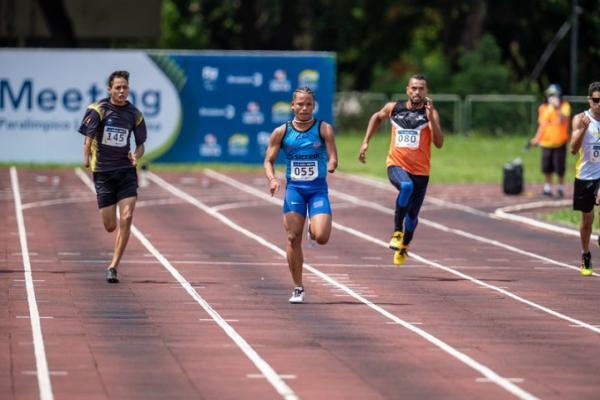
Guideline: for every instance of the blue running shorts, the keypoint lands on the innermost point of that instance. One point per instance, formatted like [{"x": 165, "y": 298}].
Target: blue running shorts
[{"x": 300, "y": 200}]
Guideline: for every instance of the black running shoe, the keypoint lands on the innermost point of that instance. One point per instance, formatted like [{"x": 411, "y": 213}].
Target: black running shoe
[
  {"x": 586, "y": 264},
  {"x": 111, "y": 275}
]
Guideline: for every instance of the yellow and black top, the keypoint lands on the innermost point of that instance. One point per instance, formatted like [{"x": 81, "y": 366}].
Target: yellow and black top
[{"x": 110, "y": 127}]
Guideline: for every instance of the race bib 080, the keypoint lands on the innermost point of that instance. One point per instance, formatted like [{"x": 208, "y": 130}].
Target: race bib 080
[
  {"x": 408, "y": 138},
  {"x": 304, "y": 170},
  {"x": 114, "y": 136}
]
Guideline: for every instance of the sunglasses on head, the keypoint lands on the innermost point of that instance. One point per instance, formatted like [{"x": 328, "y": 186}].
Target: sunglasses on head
[{"x": 595, "y": 100}]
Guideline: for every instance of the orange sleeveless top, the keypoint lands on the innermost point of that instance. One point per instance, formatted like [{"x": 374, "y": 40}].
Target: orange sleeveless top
[{"x": 410, "y": 144}]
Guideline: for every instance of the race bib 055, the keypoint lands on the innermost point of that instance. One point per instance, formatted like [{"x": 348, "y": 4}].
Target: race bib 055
[{"x": 304, "y": 170}]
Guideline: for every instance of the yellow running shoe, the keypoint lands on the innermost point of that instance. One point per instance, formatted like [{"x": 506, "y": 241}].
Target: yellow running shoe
[
  {"x": 396, "y": 241},
  {"x": 586, "y": 264},
  {"x": 400, "y": 255}
]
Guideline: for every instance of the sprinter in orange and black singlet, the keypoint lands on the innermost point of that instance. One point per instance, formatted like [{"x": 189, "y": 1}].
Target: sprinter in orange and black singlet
[{"x": 415, "y": 125}]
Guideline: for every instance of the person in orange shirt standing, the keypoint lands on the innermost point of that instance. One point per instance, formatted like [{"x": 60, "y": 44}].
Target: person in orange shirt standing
[
  {"x": 415, "y": 125},
  {"x": 552, "y": 136}
]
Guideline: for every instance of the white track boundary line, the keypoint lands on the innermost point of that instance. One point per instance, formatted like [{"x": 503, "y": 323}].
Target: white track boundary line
[
  {"x": 381, "y": 184},
  {"x": 505, "y": 213},
  {"x": 41, "y": 363},
  {"x": 465, "y": 359},
  {"x": 250, "y": 190},
  {"x": 502, "y": 213},
  {"x": 365, "y": 203},
  {"x": 270, "y": 374}
]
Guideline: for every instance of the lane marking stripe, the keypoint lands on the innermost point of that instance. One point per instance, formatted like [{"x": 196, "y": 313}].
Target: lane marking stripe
[
  {"x": 272, "y": 376},
  {"x": 41, "y": 363},
  {"x": 480, "y": 368},
  {"x": 248, "y": 189},
  {"x": 499, "y": 214}
]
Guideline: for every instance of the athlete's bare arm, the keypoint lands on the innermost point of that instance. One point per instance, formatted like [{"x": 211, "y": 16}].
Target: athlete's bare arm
[
  {"x": 580, "y": 124},
  {"x": 137, "y": 154},
  {"x": 434, "y": 123},
  {"x": 374, "y": 123},
  {"x": 87, "y": 145},
  {"x": 328, "y": 136},
  {"x": 271, "y": 157}
]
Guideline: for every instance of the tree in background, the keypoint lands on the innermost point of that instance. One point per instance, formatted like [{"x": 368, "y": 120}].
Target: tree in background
[{"x": 379, "y": 43}]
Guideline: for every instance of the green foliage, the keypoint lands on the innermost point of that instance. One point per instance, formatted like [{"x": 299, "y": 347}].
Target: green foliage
[
  {"x": 380, "y": 43},
  {"x": 181, "y": 25},
  {"x": 481, "y": 70}
]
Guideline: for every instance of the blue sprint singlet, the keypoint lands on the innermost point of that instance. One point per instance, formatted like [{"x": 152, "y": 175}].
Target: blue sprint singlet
[{"x": 306, "y": 156}]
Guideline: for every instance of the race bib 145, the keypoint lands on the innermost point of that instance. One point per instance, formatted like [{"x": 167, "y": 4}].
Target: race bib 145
[{"x": 114, "y": 136}]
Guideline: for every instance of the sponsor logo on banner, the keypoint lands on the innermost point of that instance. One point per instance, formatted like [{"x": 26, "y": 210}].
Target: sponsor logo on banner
[
  {"x": 255, "y": 79},
  {"x": 280, "y": 112},
  {"x": 280, "y": 83},
  {"x": 309, "y": 78},
  {"x": 210, "y": 147},
  {"x": 237, "y": 145},
  {"x": 253, "y": 115},
  {"x": 41, "y": 108},
  {"x": 263, "y": 142},
  {"x": 227, "y": 112},
  {"x": 210, "y": 75}
]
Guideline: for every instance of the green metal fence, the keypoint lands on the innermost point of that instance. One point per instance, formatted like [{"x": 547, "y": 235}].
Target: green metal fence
[{"x": 488, "y": 114}]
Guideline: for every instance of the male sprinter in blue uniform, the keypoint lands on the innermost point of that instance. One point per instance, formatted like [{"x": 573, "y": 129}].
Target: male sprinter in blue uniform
[
  {"x": 310, "y": 151},
  {"x": 107, "y": 126}
]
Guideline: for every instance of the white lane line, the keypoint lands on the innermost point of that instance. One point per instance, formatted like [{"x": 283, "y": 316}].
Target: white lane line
[
  {"x": 475, "y": 365},
  {"x": 45, "y": 203},
  {"x": 248, "y": 189},
  {"x": 272, "y": 376},
  {"x": 53, "y": 373},
  {"x": 499, "y": 214},
  {"x": 458, "y": 232},
  {"x": 515, "y": 380},
  {"x": 41, "y": 363},
  {"x": 385, "y": 185},
  {"x": 157, "y": 202},
  {"x": 240, "y": 204},
  {"x": 505, "y": 213},
  {"x": 259, "y": 376}
]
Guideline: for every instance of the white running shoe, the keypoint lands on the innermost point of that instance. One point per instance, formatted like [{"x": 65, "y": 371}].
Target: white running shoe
[{"x": 297, "y": 295}]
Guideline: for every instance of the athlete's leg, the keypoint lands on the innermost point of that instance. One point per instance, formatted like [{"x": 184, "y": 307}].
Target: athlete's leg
[
  {"x": 109, "y": 217},
  {"x": 320, "y": 226},
  {"x": 293, "y": 223},
  {"x": 414, "y": 207},
  {"x": 560, "y": 161},
  {"x": 401, "y": 180},
  {"x": 294, "y": 217},
  {"x": 319, "y": 211},
  {"x": 585, "y": 230},
  {"x": 126, "y": 208},
  {"x": 547, "y": 169}
]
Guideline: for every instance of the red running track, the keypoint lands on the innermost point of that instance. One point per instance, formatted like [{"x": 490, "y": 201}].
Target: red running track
[{"x": 201, "y": 311}]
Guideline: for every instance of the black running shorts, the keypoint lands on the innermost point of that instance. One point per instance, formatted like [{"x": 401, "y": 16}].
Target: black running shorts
[
  {"x": 113, "y": 186},
  {"x": 554, "y": 160},
  {"x": 584, "y": 194}
]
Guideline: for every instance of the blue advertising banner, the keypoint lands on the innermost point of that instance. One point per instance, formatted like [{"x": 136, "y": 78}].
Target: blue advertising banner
[
  {"x": 198, "y": 106},
  {"x": 232, "y": 102}
]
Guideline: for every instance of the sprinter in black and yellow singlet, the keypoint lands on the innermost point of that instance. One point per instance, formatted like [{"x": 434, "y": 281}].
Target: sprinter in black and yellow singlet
[{"x": 108, "y": 126}]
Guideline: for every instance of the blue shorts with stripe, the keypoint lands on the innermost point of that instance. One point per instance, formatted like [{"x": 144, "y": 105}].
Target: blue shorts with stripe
[{"x": 303, "y": 199}]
